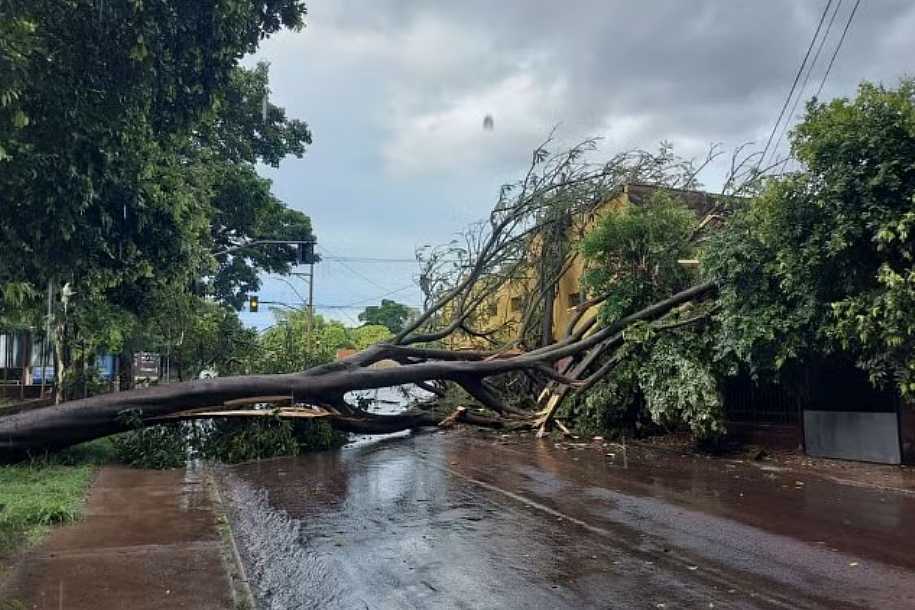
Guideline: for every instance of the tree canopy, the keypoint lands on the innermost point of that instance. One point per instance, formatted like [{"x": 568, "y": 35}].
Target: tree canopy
[
  {"x": 822, "y": 262},
  {"x": 298, "y": 341},
  {"x": 666, "y": 377},
  {"x": 390, "y": 314},
  {"x": 129, "y": 135},
  {"x": 97, "y": 183},
  {"x": 817, "y": 267}
]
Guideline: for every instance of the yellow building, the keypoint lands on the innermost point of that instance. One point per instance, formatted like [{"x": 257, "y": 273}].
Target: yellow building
[{"x": 507, "y": 307}]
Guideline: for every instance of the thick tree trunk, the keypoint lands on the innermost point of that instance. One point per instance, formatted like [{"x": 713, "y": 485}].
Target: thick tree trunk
[{"x": 54, "y": 427}]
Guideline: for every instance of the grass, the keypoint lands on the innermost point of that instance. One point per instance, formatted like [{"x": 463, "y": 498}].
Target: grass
[{"x": 37, "y": 495}]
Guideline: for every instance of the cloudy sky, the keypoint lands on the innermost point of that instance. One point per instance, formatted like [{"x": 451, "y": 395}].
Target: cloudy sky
[{"x": 395, "y": 92}]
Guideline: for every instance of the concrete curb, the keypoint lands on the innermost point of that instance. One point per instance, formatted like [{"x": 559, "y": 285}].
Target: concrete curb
[{"x": 241, "y": 585}]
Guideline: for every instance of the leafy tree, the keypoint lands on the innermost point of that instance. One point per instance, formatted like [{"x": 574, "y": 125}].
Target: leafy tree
[
  {"x": 390, "y": 314},
  {"x": 93, "y": 186},
  {"x": 297, "y": 342},
  {"x": 194, "y": 334},
  {"x": 665, "y": 378},
  {"x": 369, "y": 334},
  {"x": 817, "y": 269},
  {"x": 116, "y": 139},
  {"x": 632, "y": 254},
  {"x": 822, "y": 263},
  {"x": 244, "y": 129},
  {"x": 244, "y": 211},
  {"x": 17, "y": 42}
]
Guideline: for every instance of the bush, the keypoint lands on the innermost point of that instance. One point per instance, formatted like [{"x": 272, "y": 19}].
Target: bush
[
  {"x": 661, "y": 381},
  {"x": 234, "y": 441},
  {"x": 162, "y": 446}
]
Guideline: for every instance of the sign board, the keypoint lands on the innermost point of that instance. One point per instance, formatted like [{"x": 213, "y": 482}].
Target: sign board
[
  {"x": 106, "y": 365},
  {"x": 853, "y": 435},
  {"x": 145, "y": 366},
  {"x": 42, "y": 373}
]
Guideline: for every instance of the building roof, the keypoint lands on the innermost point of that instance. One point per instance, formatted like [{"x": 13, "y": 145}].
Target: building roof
[{"x": 700, "y": 202}]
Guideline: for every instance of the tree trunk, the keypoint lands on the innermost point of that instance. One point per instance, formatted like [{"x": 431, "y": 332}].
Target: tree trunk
[
  {"x": 58, "y": 426},
  {"x": 59, "y": 331}
]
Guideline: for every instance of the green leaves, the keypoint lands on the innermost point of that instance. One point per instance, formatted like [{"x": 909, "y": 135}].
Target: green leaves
[
  {"x": 245, "y": 210},
  {"x": 106, "y": 165},
  {"x": 680, "y": 385},
  {"x": 390, "y": 314},
  {"x": 822, "y": 261},
  {"x": 20, "y": 119},
  {"x": 632, "y": 254},
  {"x": 128, "y": 139},
  {"x": 369, "y": 334},
  {"x": 297, "y": 342}
]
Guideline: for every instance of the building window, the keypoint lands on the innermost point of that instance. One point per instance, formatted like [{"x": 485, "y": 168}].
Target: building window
[
  {"x": 517, "y": 303},
  {"x": 492, "y": 309},
  {"x": 574, "y": 299}
]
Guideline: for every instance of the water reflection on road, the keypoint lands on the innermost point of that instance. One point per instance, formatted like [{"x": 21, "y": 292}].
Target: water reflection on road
[{"x": 465, "y": 520}]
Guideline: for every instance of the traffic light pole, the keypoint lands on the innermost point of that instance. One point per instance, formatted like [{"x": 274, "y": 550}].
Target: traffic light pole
[
  {"x": 311, "y": 304},
  {"x": 311, "y": 288},
  {"x": 305, "y": 255}
]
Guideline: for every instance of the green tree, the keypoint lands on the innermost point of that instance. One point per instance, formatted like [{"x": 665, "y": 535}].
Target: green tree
[
  {"x": 244, "y": 129},
  {"x": 297, "y": 342},
  {"x": 245, "y": 211},
  {"x": 95, "y": 186},
  {"x": 390, "y": 314},
  {"x": 17, "y": 43},
  {"x": 194, "y": 334},
  {"x": 822, "y": 262},
  {"x": 115, "y": 137},
  {"x": 632, "y": 254},
  {"x": 664, "y": 377},
  {"x": 369, "y": 334}
]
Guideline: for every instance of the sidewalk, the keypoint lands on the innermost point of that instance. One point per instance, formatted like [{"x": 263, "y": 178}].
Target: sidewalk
[
  {"x": 899, "y": 479},
  {"x": 149, "y": 539}
]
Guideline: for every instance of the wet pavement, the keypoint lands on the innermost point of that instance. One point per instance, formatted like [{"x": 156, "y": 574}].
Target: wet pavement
[
  {"x": 149, "y": 540},
  {"x": 467, "y": 520}
]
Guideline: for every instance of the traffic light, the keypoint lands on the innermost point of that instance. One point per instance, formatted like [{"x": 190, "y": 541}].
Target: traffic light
[
  {"x": 305, "y": 253},
  {"x": 252, "y": 303}
]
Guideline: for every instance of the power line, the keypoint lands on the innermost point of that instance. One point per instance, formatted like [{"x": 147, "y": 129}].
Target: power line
[
  {"x": 803, "y": 88},
  {"x": 387, "y": 294},
  {"x": 367, "y": 259},
  {"x": 293, "y": 288},
  {"x": 797, "y": 77},
  {"x": 838, "y": 46},
  {"x": 351, "y": 318},
  {"x": 302, "y": 303},
  {"x": 353, "y": 271}
]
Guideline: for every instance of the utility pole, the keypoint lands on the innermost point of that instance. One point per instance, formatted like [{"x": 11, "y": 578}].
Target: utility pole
[
  {"x": 307, "y": 256},
  {"x": 311, "y": 287}
]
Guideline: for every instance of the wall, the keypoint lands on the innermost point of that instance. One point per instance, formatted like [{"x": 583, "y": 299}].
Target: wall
[{"x": 570, "y": 283}]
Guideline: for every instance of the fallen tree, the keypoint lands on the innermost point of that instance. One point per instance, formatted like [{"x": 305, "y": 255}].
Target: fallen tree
[
  {"x": 457, "y": 281},
  {"x": 72, "y": 422}
]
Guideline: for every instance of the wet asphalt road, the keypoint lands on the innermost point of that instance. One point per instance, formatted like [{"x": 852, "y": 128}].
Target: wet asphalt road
[{"x": 464, "y": 520}]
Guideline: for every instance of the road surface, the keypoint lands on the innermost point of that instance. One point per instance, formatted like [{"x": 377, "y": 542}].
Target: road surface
[{"x": 467, "y": 520}]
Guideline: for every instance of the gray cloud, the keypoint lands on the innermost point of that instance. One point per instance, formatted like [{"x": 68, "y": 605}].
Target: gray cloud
[{"x": 396, "y": 92}]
